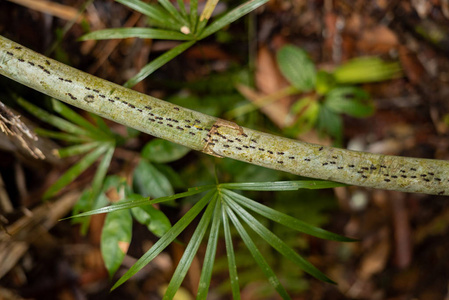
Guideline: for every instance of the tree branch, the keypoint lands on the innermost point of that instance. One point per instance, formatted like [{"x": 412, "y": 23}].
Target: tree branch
[{"x": 215, "y": 136}]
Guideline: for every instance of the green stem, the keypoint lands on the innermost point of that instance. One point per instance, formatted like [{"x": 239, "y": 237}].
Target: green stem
[{"x": 215, "y": 136}]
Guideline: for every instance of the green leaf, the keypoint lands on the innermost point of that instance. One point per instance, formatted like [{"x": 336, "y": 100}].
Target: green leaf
[
  {"x": 276, "y": 242},
  {"x": 100, "y": 123},
  {"x": 173, "y": 11},
  {"x": 149, "y": 181},
  {"x": 115, "y": 239},
  {"x": 193, "y": 15},
  {"x": 190, "y": 251},
  {"x": 297, "y": 67},
  {"x": 155, "y": 220},
  {"x": 154, "y": 12},
  {"x": 135, "y": 32},
  {"x": 163, "y": 151},
  {"x": 281, "y": 185},
  {"x": 166, "y": 239},
  {"x": 101, "y": 171},
  {"x": 284, "y": 219},
  {"x": 182, "y": 10},
  {"x": 307, "y": 110},
  {"x": 231, "y": 16},
  {"x": 75, "y": 118},
  {"x": 349, "y": 100},
  {"x": 139, "y": 201},
  {"x": 206, "y": 14},
  {"x": 62, "y": 136},
  {"x": 232, "y": 266},
  {"x": 366, "y": 69},
  {"x": 53, "y": 120},
  {"x": 324, "y": 82},
  {"x": 209, "y": 257},
  {"x": 77, "y": 149},
  {"x": 258, "y": 257},
  {"x": 75, "y": 171},
  {"x": 330, "y": 122},
  {"x": 157, "y": 63}
]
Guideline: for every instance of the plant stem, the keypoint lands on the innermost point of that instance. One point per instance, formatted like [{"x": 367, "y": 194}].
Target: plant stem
[{"x": 216, "y": 136}]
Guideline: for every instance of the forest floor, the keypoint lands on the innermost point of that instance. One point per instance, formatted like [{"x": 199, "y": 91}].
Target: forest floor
[{"x": 403, "y": 252}]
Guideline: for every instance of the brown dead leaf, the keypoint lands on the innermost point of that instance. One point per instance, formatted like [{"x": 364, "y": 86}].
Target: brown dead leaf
[
  {"x": 123, "y": 246},
  {"x": 269, "y": 80}
]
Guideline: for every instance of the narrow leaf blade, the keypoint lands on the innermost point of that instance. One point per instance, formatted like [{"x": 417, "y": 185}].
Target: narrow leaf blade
[
  {"x": 258, "y": 257},
  {"x": 166, "y": 239},
  {"x": 277, "y": 243},
  {"x": 231, "y": 16},
  {"x": 190, "y": 252},
  {"x": 154, "y": 12},
  {"x": 75, "y": 171},
  {"x": 284, "y": 219},
  {"x": 281, "y": 185},
  {"x": 157, "y": 63},
  {"x": 139, "y": 201},
  {"x": 206, "y": 273},
  {"x": 135, "y": 32}
]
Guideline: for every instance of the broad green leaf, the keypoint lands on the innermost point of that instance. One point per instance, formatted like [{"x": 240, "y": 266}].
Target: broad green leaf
[
  {"x": 281, "y": 185},
  {"x": 173, "y": 176},
  {"x": 258, "y": 257},
  {"x": 297, "y": 67},
  {"x": 284, "y": 219},
  {"x": 324, "y": 82},
  {"x": 155, "y": 220},
  {"x": 307, "y": 110},
  {"x": 84, "y": 203},
  {"x": 78, "y": 149},
  {"x": 75, "y": 118},
  {"x": 157, "y": 63},
  {"x": 349, "y": 100},
  {"x": 135, "y": 202},
  {"x": 231, "y": 16},
  {"x": 148, "y": 181},
  {"x": 135, "y": 32},
  {"x": 163, "y": 151},
  {"x": 154, "y": 12},
  {"x": 209, "y": 257},
  {"x": 53, "y": 120},
  {"x": 366, "y": 69},
  {"x": 190, "y": 251},
  {"x": 330, "y": 122},
  {"x": 166, "y": 239},
  {"x": 115, "y": 239},
  {"x": 232, "y": 266},
  {"x": 276, "y": 242},
  {"x": 75, "y": 171}
]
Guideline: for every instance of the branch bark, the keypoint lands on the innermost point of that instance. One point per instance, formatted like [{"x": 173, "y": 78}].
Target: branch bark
[{"x": 215, "y": 136}]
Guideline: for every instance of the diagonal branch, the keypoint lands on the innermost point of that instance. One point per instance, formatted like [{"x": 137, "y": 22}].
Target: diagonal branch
[{"x": 218, "y": 137}]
